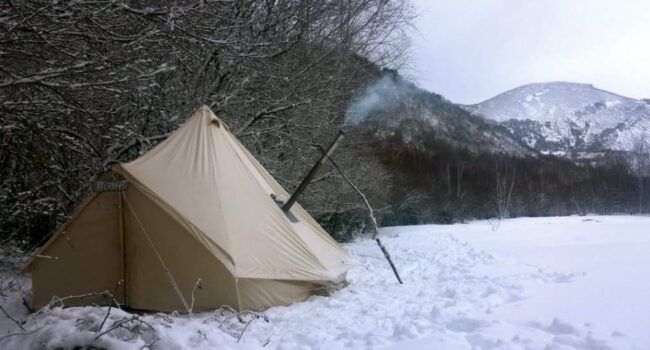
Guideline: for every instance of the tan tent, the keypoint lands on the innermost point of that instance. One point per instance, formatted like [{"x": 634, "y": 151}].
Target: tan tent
[{"x": 198, "y": 207}]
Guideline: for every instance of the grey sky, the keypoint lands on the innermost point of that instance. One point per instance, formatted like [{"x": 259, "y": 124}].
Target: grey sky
[{"x": 471, "y": 50}]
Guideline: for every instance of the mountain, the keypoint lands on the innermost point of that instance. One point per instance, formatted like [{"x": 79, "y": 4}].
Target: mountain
[
  {"x": 571, "y": 120},
  {"x": 395, "y": 105}
]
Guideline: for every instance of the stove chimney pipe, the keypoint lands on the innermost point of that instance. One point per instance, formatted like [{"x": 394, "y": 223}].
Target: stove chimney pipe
[{"x": 287, "y": 206}]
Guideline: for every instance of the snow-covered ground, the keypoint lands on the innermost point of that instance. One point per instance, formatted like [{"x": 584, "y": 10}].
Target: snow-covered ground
[{"x": 530, "y": 283}]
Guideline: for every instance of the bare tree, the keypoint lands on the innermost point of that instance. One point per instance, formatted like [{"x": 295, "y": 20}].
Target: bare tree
[
  {"x": 505, "y": 183},
  {"x": 85, "y": 84},
  {"x": 641, "y": 166}
]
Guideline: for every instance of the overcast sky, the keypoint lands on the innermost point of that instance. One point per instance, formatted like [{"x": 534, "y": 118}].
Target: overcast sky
[{"x": 471, "y": 50}]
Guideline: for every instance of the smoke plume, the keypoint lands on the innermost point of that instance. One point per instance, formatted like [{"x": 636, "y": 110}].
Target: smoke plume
[{"x": 384, "y": 94}]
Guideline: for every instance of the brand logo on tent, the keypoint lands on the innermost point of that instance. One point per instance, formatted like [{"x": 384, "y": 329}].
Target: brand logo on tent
[{"x": 111, "y": 186}]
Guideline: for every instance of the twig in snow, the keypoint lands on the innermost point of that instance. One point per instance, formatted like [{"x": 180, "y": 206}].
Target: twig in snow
[
  {"x": 26, "y": 304},
  {"x": 15, "y": 334},
  {"x": 120, "y": 323},
  {"x": 12, "y": 319},
  {"x": 197, "y": 285},
  {"x": 268, "y": 340},
  {"x": 60, "y": 301},
  {"x": 243, "y": 313},
  {"x": 110, "y": 305},
  {"x": 108, "y": 313},
  {"x": 245, "y": 327},
  {"x": 239, "y": 315},
  {"x": 150, "y": 345}
]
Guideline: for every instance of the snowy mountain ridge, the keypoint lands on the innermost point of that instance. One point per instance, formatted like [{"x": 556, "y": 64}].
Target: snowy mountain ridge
[{"x": 574, "y": 120}]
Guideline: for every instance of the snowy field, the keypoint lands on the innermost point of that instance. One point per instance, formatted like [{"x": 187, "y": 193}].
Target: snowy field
[{"x": 530, "y": 283}]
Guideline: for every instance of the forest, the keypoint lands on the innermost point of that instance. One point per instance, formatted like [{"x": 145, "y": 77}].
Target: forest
[{"x": 88, "y": 84}]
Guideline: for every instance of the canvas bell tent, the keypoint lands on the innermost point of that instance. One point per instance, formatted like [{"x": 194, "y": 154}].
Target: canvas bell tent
[{"x": 197, "y": 207}]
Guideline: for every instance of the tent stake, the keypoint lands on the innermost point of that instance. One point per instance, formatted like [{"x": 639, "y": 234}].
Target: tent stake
[{"x": 373, "y": 220}]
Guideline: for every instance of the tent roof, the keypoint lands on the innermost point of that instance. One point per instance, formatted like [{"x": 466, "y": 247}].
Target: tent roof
[{"x": 205, "y": 175}]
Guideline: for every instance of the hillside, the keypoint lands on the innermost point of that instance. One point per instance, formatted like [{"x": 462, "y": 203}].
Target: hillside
[
  {"x": 440, "y": 163},
  {"x": 393, "y": 104}
]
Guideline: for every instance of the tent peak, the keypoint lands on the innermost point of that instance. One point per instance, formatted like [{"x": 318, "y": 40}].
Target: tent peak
[{"x": 206, "y": 112}]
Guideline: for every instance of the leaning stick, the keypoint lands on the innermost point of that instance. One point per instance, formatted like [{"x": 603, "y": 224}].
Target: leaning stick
[{"x": 373, "y": 220}]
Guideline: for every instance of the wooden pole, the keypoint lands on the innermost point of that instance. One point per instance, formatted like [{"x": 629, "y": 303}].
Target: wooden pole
[{"x": 373, "y": 220}]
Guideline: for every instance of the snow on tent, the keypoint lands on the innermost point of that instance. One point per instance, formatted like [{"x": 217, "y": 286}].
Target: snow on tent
[{"x": 198, "y": 207}]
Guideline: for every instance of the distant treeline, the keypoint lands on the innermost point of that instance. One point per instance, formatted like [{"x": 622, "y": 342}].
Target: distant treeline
[{"x": 434, "y": 182}]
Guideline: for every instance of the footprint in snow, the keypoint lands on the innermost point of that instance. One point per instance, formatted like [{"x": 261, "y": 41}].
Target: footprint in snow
[
  {"x": 557, "y": 327},
  {"x": 465, "y": 324}
]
